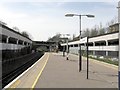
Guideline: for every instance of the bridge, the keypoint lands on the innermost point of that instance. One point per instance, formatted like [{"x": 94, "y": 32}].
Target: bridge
[{"x": 45, "y": 46}]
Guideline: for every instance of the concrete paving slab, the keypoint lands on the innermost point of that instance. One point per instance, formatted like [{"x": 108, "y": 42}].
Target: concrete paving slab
[{"x": 62, "y": 73}]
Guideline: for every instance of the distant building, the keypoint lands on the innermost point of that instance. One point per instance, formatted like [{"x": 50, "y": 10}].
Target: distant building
[
  {"x": 106, "y": 45},
  {"x": 114, "y": 27}
]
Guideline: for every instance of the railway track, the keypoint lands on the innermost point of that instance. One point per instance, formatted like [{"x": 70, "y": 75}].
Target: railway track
[{"x": 12, "y": 75}]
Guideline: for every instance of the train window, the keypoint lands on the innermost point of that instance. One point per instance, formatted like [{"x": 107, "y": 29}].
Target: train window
[
  {"x": 0, "y": 38},
  {"x": 90, "y": 44},
  {"x": 113, "y": 42},
  {"x": 3, "y": 38},
  {"x": 76, "y": 45},
  {"x": 20, "y": 42},
  {"x": 25, "y": 43},
  {"x": 82, "y": 44},
  {"x": 101, "y": 43},
  {"x": 12, "y": 40}
]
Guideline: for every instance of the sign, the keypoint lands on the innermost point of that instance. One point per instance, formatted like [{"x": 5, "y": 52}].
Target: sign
[{"x": 83, "y": 40}]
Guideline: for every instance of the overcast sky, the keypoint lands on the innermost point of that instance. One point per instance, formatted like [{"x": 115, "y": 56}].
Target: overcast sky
[{"x": 44, "y": 19}]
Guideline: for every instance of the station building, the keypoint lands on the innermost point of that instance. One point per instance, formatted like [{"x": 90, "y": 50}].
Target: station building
[{"x": 106, "y": 45}]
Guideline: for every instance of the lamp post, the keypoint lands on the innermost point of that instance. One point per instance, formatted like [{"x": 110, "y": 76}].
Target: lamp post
[
  {"x": 119, "y": 45},
  {"x": 80, "y": 55}
]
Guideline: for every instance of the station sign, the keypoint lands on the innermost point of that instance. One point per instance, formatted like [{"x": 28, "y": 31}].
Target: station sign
[{"x": 83, "y": 40}]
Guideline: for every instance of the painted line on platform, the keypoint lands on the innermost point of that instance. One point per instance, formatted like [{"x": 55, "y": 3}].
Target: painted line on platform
[
  {"x": 16, "y": 79},
  {"x": 40, "y": 73}
]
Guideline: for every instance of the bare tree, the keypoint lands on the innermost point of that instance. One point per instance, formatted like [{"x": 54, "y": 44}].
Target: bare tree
[
  {"x": 55, "y": 38},
  {"x": 115, "y": 19},
  {"x": 24, "y": 33},
  {"x": 111, "y": 22},
  {"x": 94, "y": 31},
  {"x": 86, "y": 32},
  {"x": 16, "y": 29},
  {"x": 3, "y": 23},
  {"x": 101, "y": 29}
]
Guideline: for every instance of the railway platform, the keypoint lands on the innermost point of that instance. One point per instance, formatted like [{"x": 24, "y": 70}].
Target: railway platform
[{"x": 54, "y": 71}]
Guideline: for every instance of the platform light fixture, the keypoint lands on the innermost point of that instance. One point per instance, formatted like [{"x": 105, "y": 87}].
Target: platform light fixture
[{"x": 80, "y": 15}]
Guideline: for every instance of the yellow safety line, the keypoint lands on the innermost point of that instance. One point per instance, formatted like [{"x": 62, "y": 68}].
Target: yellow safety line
[{"x": 39, "y": 73}]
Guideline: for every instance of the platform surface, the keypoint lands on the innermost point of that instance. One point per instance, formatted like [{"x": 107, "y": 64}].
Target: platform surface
[{"x": 54, "y": 71}]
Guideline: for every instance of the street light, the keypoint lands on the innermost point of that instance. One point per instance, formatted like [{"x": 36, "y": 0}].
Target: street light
[
  {"x": 119, "y": 45},
  {"x": 80, "y": 56}
]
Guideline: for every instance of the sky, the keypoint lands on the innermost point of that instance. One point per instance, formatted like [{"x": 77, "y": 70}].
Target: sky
[{"x": 43, "y": 20}]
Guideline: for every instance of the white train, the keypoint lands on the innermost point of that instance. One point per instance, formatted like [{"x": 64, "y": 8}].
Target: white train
[{"x": 12, "y": 40}]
